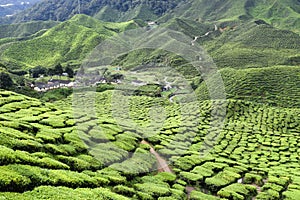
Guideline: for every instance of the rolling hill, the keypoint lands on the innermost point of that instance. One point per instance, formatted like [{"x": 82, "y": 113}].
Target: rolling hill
[
  {"x": 281, "y": 14},
  {"x": 69, "y": 41},
  {"x": 24, "y": 29},
  {"x": 276, "y": 86}
]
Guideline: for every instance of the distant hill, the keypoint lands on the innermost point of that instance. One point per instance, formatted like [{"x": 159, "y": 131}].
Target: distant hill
[
  {"x": 12, "y": 7},
  {"x": 68, "y": 41},
  {"x": 109, "y": 10},
  {"x": 253, "y": 45},
  {"x": 281, "y": 14}
]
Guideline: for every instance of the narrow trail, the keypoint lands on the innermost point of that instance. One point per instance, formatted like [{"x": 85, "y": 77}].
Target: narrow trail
[
  {"x": 188, "y": 190},
  {"x": 169, "y": 85},
  {"x": 162, "y": 166},
  {"x": 205, "y": 35}
]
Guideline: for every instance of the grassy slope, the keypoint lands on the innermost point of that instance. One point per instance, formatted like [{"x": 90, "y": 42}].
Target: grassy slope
[
  {"x": 252, "y": 45},
  {"x": 281, "y": 14},
  {"x": 24, "y": 29},
  {"x": 277, "y": 85},
  {"x": 139, "y": 12},
  {"x": 69, "y": 41},
  {"x": 227, "y": 10}
]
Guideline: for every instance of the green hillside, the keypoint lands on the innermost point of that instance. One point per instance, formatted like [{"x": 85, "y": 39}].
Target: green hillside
[
  {"x": 69, "y": 41},
  {"x": 253, "y": 45},
  {"x": 24, "y": 29},
  {"x": 281, "y": 14},
  {"x": 277, "y": 86},
  {"x": 238, "y": 45},
  {"x": 210, "y": 10}
]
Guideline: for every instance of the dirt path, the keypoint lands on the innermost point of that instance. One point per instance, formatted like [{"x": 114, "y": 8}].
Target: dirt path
[
  {"x": 162, "y": 165},
  {"x": 188, "y": 190},
  {"x": 206, "y": 34}
]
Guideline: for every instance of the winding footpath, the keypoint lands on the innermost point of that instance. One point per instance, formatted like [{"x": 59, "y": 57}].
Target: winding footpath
[
  {"x": 162, "y": 166},
  {"x": 205, "y": 35}
]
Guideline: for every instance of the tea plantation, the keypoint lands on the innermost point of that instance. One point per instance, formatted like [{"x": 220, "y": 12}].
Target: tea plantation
[{"x": 216, "y": 149}]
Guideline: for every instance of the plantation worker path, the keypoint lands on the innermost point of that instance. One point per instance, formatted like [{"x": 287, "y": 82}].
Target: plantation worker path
[
  {"x": 162, "y": 165},
  {"x": 205, "y": 35}
]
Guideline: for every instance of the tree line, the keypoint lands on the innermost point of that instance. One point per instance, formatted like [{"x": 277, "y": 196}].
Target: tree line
[{"x": 56, "y": 70}]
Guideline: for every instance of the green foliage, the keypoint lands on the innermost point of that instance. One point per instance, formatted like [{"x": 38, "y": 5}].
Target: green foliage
[
  {"x": 222, "y": 179},
  {"x": 5, "y": 81},
  {"x": 65, "y": 193},
  {"x": 57, "y": 94},
  {"x": 197, "y": 195},
  {"x": 237, "y": 191}
]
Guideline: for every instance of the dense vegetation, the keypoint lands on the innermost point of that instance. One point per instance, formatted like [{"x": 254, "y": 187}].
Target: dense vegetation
[
  {"x": 44, "y": 152},
  {"x": 148, "y": 125},
  {"x": 276, "y": 86}
]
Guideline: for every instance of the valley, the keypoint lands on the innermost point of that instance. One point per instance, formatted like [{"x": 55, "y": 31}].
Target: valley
[{"x": 146, "y": 100}]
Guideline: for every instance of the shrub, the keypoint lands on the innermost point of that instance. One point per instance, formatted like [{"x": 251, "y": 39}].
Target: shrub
[
  {"x": 197, "y": 195},
  {"x": 238, "y": 191},
  {"x": 124, "y": 190},
  {"x": 253, "y": 178}
]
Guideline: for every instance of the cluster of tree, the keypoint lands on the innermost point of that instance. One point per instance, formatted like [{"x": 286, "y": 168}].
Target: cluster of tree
[
  {"x": 5, "y": 81},
  {"x": 57, "y": 70}
]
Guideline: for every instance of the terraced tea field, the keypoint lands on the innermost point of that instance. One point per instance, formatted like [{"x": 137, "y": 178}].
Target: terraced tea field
[{"x": 216, "y": 149}]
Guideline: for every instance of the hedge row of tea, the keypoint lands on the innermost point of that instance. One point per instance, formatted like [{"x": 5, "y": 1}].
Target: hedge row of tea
[
  {"x": 246, "y": 141},
  {"x": 45, "y": 156},
  {"x": 222, "y": 150},
  {"x": 276, "y": 86}
]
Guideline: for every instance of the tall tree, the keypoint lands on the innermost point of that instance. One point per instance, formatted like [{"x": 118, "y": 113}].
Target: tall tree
[
  {"x": 37, "y": 71},
  {"x": 5, "y": 81},
  {"x": 58, "y": 69},
  {"x": 69, "y": 71}
]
